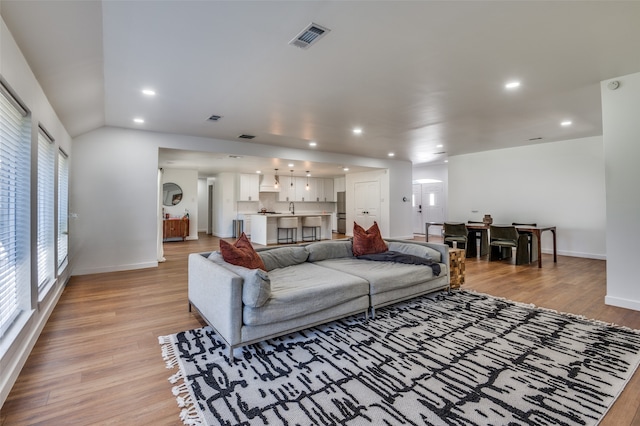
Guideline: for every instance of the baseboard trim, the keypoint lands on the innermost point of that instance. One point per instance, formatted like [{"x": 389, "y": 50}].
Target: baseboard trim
[
  {"x": 622, "y": 303},
  {"x": 115, "y": 268}
]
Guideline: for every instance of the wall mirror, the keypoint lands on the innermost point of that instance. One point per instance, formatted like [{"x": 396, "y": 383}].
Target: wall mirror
[{"x": 171, "y": 194}]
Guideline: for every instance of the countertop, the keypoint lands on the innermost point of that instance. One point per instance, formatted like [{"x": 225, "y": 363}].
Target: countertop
[{"x": 291, "y": 215}]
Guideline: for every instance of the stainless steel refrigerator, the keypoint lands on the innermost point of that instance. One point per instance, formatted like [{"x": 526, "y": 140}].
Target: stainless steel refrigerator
[{"x": 341, "y": 213}]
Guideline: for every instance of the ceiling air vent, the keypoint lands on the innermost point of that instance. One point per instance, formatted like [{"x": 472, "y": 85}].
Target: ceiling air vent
[
  {"x": 215, "y": 117},
  {"x": 308, "y": 36},
  {"x": 246, "y": 136}
]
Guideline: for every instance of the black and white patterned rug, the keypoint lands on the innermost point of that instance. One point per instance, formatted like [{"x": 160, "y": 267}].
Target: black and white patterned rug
[{"x": 443, "y": 359}]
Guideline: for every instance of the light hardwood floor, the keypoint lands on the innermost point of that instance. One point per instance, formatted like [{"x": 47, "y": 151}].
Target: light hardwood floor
[{"x": 98, "y": 362}]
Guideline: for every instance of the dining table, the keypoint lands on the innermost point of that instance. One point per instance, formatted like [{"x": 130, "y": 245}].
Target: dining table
[
  {"x": 482, "y": 231},
  {"x": 537, "y": 231}
]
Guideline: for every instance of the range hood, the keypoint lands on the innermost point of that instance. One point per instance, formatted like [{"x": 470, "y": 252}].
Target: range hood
[{"x": 267, "y": 183}]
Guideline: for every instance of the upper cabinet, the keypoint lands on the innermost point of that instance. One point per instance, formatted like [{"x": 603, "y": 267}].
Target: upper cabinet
[
  {"x": 287, "y": 189},
  {"x": 329, "y": 191},
  {"x": 249, "y": 187},
  {"x": 319, "y": 189}
]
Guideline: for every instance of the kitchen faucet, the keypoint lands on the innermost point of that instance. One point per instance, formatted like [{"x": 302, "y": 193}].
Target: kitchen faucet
[{"x": 292, "y": 208}]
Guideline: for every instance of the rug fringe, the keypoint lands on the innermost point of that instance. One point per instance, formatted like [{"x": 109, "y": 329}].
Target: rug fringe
[
  {"x": 189, "y": 413},
  {"x": 168, "y": 351}
]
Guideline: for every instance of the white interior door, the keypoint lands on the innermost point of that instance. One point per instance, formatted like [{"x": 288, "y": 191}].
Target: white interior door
[
  {"x": 433, "y": 203},
  {"x": 367, "y": 203},
  {"x": 416, "y": 206}
]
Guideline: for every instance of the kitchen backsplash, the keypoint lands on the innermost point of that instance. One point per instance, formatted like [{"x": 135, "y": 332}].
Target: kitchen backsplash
[{"x": 269, "y": 202}]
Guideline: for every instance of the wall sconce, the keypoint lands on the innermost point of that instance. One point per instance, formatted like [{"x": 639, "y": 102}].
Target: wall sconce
[{"x": 405, "y": 199}]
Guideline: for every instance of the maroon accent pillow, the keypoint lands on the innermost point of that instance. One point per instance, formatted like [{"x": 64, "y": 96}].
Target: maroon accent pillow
[
  {"x": 369, "y": 241},
  {"x": 241, "y": 253}
]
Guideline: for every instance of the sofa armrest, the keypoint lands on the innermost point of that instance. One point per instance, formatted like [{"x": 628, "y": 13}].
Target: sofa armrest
[{"x": 216, "y": 292}]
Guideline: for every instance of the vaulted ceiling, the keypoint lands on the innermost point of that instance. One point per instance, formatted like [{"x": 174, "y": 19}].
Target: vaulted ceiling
[{"x": 424, "y": 80}]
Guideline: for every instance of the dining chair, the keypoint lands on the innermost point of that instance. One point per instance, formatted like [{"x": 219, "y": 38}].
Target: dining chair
[
  {"x": 455, "y": 232},
  {"x": 530, "y": 237},
  {"x": 503, "y": 239}
]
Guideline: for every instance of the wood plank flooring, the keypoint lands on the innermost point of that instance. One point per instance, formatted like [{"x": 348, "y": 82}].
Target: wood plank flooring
[{"x": 98, "y": 362}]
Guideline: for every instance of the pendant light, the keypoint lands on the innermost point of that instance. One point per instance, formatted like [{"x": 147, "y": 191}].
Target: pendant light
[
  {"x": 308, "y": 174},
  {"x": 292, "y": 178},
  {"x": 276, "y": 184}
]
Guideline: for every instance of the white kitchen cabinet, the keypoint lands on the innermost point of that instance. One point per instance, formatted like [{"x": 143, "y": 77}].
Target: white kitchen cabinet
[
  {"x": 249, "y": 187},
  {"x": 247, "y": 225},
  {"x": 302, "y": 194},
  {"x": 317, "y": 185},
  {"x": 287, "y": 191},
  {"x": 329, "y": 192}
]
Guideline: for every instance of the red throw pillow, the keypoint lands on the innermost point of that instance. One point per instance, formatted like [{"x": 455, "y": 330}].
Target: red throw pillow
[
  {"x": 241, "y": 253},
  {"x": 369, "y": 241}
]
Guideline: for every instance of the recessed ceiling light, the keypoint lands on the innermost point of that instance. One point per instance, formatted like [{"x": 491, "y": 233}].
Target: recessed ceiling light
[
  {"x": 148, "y": 92},
  {"x": 258, "y": 171},
  {"x": 512, "y": 85},
  {"x": 346, "y": 169},
  {"x": 566, "y": 123},
  {"x": 308, "y": 174},
  {"x": 439, "y": 146},
  {"x": 357, "y": 131},
  {"x": 391, "y": 154},
  {"x": 312, "y": 144},
  {"x": 446, "y": 161},
  {"x": 138, "y": 120},
  {"x": 290, "y": 164}
]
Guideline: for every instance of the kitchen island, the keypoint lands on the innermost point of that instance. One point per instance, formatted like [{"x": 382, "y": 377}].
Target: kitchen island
[{"x": 264, "y": 226}]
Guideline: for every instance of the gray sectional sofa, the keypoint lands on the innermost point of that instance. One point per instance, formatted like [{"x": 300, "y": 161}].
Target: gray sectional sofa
[{"x": 306, "y": 285}]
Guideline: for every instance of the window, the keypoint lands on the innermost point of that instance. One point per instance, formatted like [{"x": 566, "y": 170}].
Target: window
[
  {"x": 63, "y": 209},
  {"x": 46, "y": 208},
  {"x": 15, "y": 171}
]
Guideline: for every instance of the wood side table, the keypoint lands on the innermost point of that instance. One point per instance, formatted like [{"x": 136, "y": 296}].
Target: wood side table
[{"x": 456, "y": 267}]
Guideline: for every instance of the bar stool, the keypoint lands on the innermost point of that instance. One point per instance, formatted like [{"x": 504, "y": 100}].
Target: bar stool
[
  {"x": 312, "y": 222},
  {"x": 290, "y": 225}
]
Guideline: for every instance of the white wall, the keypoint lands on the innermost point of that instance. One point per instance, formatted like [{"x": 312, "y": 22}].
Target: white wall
[
  {"x": 203, "y": 204},
  {"x": 436, "y": 171},
  {"x": 114, "y": 192},
  {"x": 557, "y": 183},
  {"x": 17, "y": 343},
  {"x": 187, "y": 180},
  {"x": 621, "y": 134},
  {"x": 225, "y": 204}
]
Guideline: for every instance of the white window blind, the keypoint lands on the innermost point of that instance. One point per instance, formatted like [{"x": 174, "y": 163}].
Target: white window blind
[
  {"x": 15, "y": 165},
  {"x": 63, "y": 209},
  {"x": 46, "y": 209}
]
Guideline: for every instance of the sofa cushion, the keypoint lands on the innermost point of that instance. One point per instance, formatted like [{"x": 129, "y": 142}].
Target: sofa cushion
[
  {"x": 256, "y": 287},
  {"x": 329, "y": 250},
  {"x": 241, "y": 253},
  {"x": 383, "y": 276},
  {"x": 300, "y": 290},
  {"x": 415, "y": 250},
  {"x": 369, "y": 241},
  {"x": 281, "y": 257}
]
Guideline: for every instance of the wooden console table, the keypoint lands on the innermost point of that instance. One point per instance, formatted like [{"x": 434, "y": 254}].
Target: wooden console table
[{"x": 175, "y": 228}]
